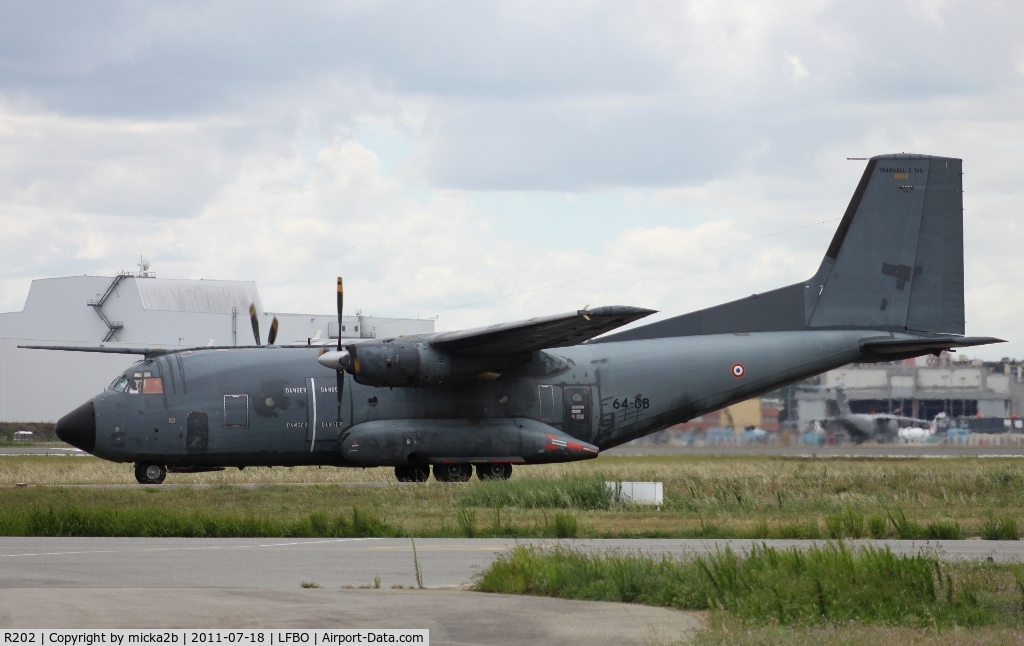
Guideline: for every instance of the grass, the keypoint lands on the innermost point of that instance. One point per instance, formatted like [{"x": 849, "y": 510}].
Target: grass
[
  {"x": 827, "y": 585},
  {"x": 705, "y": 497},
  {"x": 108, "y": 521}
]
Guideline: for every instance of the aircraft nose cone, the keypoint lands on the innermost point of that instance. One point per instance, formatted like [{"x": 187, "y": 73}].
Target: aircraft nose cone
[{"x": 78, "y": 428}]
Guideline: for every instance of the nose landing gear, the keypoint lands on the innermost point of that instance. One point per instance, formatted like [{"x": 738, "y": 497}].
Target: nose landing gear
[{"x": 150, "y": 472}]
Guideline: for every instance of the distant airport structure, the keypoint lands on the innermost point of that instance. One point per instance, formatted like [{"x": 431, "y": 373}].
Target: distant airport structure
[
  {"x": 138, "y": 308},
  {"x": 920, "y": 388}
]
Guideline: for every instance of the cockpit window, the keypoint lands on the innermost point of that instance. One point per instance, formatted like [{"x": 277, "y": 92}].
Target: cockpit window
[
  {"x": 119, "y": 384},
  {"x": 140, "y": 382}
]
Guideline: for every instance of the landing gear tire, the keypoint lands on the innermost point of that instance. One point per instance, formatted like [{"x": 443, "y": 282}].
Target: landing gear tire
[
  {"x": 453, "y": 472},
  {"x": 494, "y": 471},
  {"x": 412, "y": 473},
  {"x": 150, "y": 472}
]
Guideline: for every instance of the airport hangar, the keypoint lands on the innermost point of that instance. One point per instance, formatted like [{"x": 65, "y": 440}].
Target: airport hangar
[{"x": 133, "y": 309}]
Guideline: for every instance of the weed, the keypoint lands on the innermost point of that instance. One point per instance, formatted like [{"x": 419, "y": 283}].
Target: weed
[
  {"x": 565, "y": 525},
  {"x": 905, "y": 529},
  {"x": 416, "y": 565},
  {"x": 999, "y": 529},
  {"x": 945, "y": 530},
  {"x": 467, "y": 521},
  {"x": 310, "y": 584},
  {"x": 834, "y": 526},
  {"x": 876, "y": 526},
  {"x": 376, "y": 582},
  {"x": 853, "y": 523}
]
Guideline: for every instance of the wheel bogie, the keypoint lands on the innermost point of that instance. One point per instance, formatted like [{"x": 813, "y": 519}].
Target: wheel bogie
[
  {"x": 453, "y": 472},
  {"x": 494, "y": 471},
  {"x": 412, "y": 472},
  {"x": 150, "y": 472}
]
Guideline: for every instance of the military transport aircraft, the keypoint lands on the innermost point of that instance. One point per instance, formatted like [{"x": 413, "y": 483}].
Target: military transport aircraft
[
  {"x": 881, "y": 427},
  {"x": 556, "y": 388}
]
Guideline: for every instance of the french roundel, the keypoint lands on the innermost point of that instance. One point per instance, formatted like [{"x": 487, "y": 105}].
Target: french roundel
[{"x": 738, "y": 370}]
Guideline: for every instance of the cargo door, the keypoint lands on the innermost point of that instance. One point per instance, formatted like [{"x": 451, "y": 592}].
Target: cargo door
[
  {"x": 323, "y": 422},
  {"x": 576, "y": 411}
]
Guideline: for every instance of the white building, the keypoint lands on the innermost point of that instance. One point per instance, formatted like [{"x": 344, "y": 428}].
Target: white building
[
  {"x": 919, "y": 388},
  {"x": 132, "y": 310}
]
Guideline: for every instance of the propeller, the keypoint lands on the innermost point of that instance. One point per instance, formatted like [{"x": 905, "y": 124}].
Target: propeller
[
  {"x": 585, "y": 312},
  {"x": 256, "y": 326},
  {"x": 272, "y": 336},
  {"x": 255, "y": 323},
  {"x": 340, "y": 375}
]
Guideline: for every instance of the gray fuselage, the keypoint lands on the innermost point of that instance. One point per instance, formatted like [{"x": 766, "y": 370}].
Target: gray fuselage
[{"x": 274, "y": 406}]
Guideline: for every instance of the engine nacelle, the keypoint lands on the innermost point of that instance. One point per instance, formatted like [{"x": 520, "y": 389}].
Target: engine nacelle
[{"x": 397, "y": 362}]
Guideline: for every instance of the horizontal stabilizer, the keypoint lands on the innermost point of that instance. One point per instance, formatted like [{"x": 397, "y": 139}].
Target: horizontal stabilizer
[
  {"x": 149, "y": 352},
  {"x": 886, "y": 348}
]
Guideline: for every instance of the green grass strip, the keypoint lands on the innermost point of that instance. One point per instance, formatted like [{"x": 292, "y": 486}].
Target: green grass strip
[
  {"x": 829, "y": 584},
  {"x": 140, "y": 522}
]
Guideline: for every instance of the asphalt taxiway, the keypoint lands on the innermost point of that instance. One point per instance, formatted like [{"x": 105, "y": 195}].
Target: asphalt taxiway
[{"x": 241, "y": 583}]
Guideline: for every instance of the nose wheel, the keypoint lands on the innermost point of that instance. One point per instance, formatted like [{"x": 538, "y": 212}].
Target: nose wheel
[
  {"x": 150, "y": 472},
  {"x": 494, "y": 471}
]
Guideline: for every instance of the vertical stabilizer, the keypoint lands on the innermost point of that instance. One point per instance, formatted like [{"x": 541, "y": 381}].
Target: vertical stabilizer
[
  {"x": 896, "y": 263},
  {"x": 896, "y": 260}
]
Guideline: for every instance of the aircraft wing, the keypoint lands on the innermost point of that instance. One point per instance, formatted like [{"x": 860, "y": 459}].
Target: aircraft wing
[{"x": 539, "y": 333}]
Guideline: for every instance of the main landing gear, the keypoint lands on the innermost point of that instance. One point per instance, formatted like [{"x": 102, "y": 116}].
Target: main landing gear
[
  {"x": 494, "y": 471},
  {"x": 412, "y": 473},
  {"x": 452, "y": 472},
  {"x": 150, "y": 472}
]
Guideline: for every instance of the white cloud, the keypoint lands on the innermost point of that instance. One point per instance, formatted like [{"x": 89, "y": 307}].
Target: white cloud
[{"x": 438, "y": 155}]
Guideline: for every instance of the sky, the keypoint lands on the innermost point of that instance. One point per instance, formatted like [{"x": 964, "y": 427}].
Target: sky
[{"x": 483, "y": 162}]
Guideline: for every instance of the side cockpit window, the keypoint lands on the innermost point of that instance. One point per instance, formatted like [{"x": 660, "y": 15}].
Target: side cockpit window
[
  {"x": 119, "y": 384},
  {"x": 140, "y": 383}
]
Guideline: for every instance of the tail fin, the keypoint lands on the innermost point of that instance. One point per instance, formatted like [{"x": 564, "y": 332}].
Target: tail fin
[{"x": 895, "y": 263}]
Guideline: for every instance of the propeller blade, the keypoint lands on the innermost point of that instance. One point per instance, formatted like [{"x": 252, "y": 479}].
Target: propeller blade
[
  {"x": 255, "y": 323},
  {"x": 338, "y": 372},
  {"x": 272, "y": 335},
  {"x": 341, "y": 303}
]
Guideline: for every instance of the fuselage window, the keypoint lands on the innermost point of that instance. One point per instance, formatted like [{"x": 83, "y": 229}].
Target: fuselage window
[
  {"x": 144, "y": 383},
  {"x": 152, "y": 386},
  {"x": 236, "y": 411}
]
